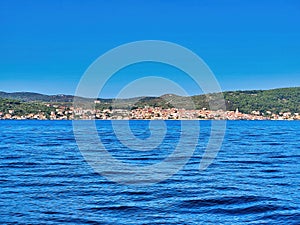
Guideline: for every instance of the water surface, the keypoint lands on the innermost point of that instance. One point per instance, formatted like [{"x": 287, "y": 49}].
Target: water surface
[{"x": 44, "y": 179}]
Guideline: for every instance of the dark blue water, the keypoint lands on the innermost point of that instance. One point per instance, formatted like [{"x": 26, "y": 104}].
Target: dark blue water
[{"x": 255, "y": 178}]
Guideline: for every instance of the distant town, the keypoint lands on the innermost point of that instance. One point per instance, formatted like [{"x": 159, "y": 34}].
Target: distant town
[
  {"x": 274, "y": 104},
  {"x": 146, "y": 113}
]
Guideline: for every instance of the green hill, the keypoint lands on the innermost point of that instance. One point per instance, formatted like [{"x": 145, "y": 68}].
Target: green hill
[
  {"x": 23, "y": 108},
  {"x": 29, "y": 97},
  {"x": 275, "y": 101}
]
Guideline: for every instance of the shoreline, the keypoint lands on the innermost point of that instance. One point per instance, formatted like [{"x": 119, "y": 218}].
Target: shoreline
[
  {"x": 146, "y": 113},
  {"x": 149, "y": 120}
]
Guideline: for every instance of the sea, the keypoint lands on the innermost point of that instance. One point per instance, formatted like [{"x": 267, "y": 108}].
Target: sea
[{"x": 254, "y": 178}]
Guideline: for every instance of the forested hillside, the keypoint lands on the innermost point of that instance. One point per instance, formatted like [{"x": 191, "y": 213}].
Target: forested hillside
[{"x": 275, "y": 101}]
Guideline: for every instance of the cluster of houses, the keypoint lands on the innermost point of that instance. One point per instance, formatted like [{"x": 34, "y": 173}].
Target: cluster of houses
[
  {"x": 182, "y": 114},
  {"x": 146, "y": 113},
  {"x": 31, "y": 116}
]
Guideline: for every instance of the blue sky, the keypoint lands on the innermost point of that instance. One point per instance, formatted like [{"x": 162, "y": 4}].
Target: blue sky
[{"x": 45, "y": 46}]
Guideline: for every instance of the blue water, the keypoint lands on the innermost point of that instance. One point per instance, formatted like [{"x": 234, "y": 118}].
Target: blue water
[{"x": 255, "y": 178}]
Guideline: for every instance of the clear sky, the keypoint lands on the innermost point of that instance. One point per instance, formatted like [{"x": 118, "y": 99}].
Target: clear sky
[{"x": 45, "y": 46}]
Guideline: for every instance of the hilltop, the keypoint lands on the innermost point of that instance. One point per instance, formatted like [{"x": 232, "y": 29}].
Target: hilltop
[{"x": 36, "y": 97}]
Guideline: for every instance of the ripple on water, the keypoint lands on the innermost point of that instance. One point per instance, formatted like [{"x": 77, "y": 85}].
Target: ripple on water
[{"x": 255, "y": 178}]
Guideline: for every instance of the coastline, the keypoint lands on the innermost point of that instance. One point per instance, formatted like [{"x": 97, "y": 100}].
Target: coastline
[
  {"x": 147, "y": 113},
  {"x": 149, "y": 119}
]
